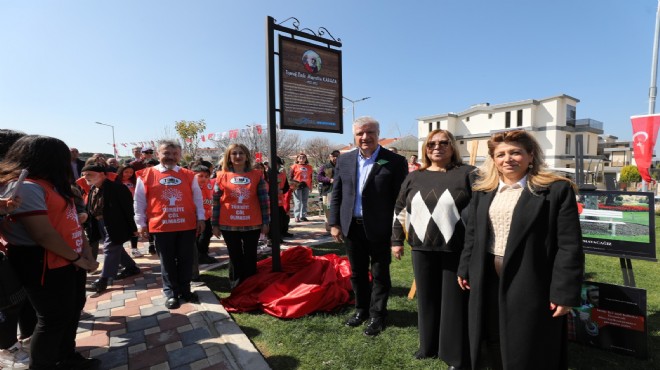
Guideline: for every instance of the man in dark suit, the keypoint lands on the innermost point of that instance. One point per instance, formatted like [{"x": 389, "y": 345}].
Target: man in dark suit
[
  {"x": 76, "y": 164},
  {"x": 366, "y": 184}
]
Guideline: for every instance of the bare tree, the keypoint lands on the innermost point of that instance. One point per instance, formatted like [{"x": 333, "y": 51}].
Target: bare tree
[
  {"x": 287, "y": 143},
  {"x": 317, "y": 150}
]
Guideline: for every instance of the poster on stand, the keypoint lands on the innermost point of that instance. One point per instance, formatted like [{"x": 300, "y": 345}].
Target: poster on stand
[
  {"x": 310, "y": 87},
  {"x": 618, "y": 223},
  {"x": 611, "y": 317}
]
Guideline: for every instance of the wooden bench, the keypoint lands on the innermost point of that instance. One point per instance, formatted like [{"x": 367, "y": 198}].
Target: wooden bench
[{"x": 608, "y": 215}]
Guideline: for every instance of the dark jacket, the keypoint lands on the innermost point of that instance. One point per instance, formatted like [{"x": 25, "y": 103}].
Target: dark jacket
[
  {"x": 378, "y": 196},
  {"x": 543, "y": 263},
  {"x": 325, "y": 174},
  {"x": 117, "y": 213}
]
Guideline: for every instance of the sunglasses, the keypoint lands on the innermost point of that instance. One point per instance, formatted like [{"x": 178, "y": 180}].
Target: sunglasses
[{"x": 441, "y": 144}]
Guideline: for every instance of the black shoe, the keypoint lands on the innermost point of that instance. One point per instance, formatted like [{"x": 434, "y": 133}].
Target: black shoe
[
  {"x": 128, "y": 272},
  {"x": 205, "y": 259},
  {"x": 374, "y": 326},
  {"x": 190, "y": 297},
  {"x": 420, "y": 356},
  {"x": 99, "y": 285},
  {"x": 357, "y": 319},
  {"x": 152, "y": 249},
  {"x": 78, "y": 362},
  {"x": 287, "y": 234},
  {"x": 172, "y": 303},
  {"x": 304, "y": 219}
]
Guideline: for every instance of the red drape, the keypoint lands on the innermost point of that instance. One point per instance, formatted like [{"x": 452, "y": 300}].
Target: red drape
[{"x": 305, "y": 285}]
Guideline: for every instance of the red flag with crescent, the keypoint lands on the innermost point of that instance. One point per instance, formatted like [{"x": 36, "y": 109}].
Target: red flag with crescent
[{"x": 645, "y": 133}]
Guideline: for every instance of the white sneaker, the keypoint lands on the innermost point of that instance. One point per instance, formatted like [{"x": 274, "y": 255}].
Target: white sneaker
[
  {"x": 14, "y": 357},
  {"x": 136, "y": 253}
]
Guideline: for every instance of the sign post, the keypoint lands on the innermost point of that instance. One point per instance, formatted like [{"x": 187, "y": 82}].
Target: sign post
[{"x": 310, "y": 99}]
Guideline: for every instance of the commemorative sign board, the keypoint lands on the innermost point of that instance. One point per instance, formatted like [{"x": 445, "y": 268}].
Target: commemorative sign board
[{"x": 310, "y": 86}]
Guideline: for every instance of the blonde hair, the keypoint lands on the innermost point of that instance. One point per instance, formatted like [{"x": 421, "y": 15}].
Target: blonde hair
[
  {"x": 226, "y": 159},
  {"x": 538, "y": 177},
  {"x": 455, "y": 160}
]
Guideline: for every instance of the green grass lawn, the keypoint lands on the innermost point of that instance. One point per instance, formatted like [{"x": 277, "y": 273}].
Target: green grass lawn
[{"x": 321, "y": 341}]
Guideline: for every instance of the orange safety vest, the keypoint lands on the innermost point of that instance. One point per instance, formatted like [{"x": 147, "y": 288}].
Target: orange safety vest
[
  {"x": 302, "y": 173},
  {"x": 64, "y": 218},
  {"x": 413, "y": 167},
  {"x": 170, "y": 204},
  {"x": 281, "y": 180},
  {"x": 207, "y": 199},
  {"x": 239, "y": 203}
]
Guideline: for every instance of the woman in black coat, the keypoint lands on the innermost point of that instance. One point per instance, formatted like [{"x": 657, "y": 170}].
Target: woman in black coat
[{"x": 523, "y": 260}]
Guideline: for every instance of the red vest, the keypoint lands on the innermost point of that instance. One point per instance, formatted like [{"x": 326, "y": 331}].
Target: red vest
[
  {"x": 302, "y": 173},
  {"x": 281, "y": 180},
  {"x": 64, "y": 218},
  {"x": 207, "y": 199},
  {"x": 239, "y": 203},
  {"x": 413, "y": 167},
  {"x": 170, "y": 205}
]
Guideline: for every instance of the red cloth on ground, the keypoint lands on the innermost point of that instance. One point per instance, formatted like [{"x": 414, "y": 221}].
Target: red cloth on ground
[{"x": 306, "y": 284}]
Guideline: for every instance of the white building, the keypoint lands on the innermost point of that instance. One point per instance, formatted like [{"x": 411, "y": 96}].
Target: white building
[{"x": 552, "y": 121}]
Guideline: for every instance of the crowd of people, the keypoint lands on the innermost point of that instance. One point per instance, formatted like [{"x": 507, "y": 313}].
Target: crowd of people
[{"x": 496, "y": 250}]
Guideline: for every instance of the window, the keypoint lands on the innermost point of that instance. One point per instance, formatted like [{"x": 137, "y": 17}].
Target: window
[
  {"x": 437, "y": 125},
  {"x": 519, "y": 122},
  {"x": 571, "y": 115},
  {"x": 507, "y": 120},
  {"x": 490, "y": 115},
  {"x": 568, "y": 144},
  {"x": 461, "y": 142},
  {"x": 430, "y": 126},
  {"x": 467, "y": 119}
]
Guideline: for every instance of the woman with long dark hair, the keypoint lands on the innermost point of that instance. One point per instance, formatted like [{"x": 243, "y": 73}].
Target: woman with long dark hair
[{"x": 47, "y": 248}]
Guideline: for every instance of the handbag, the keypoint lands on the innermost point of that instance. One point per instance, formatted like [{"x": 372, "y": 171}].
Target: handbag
[{"x": 11, "y": 289}]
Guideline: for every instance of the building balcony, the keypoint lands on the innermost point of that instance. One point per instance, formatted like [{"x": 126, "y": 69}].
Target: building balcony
[{"x": 588, "y": 122}]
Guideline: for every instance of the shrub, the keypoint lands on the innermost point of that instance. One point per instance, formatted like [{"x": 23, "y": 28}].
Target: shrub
[{"x": 630, "y": 174}]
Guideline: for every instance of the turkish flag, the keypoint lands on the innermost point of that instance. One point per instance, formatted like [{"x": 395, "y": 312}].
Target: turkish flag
[
  {"x": 233, "y": 134},
  {"x": 203, "y": 138},
  {"x": 259, "y": 130},
  {"x": 645, "y": 132},
  {"x": 258, "y": 156}
]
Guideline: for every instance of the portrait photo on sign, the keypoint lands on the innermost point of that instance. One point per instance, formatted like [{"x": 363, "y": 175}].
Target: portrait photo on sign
[
  {"x": 312, "y": 61},
  {"x": 618, "y": 223}
]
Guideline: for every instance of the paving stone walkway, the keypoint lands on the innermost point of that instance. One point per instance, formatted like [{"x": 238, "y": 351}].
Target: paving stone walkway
[{"x": 128, "y": 327}]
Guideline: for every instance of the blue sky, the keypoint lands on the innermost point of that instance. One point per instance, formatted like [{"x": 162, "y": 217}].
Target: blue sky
[{"x": 142, "y": 65}]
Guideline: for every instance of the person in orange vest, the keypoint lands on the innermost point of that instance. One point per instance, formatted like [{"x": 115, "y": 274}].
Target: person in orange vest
[
  {"x": 300, "y": 174},
  {"x": 47, "y": 248},
  {"x": 168, "y": 204},
  {"x": 240, "y": 210},
  {"x": 413, "y": 165}
]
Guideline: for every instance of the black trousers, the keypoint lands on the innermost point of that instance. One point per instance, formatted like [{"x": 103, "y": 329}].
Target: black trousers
[
  {"x": 441, "y": 308},
  {"x": 175, "y": 250},
  {"x": 363, "y": 254},
  {"x": 58, "y": 296},
  {"x": 242, "y": 249},
  {"x": 21, "y": 315},
  {"x": 204, "y": 239}
]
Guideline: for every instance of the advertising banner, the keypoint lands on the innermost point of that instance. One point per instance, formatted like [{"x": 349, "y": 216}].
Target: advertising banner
[
  {"x": 611, "y": 317},
  {"x": 310, "y": 87},
  {"x": 618, "y": 223}
]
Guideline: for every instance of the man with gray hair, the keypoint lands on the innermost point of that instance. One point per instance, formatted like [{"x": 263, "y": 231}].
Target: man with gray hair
[
  {"x": 365, "y": 187},
  {"x": 168, "y": 204}
]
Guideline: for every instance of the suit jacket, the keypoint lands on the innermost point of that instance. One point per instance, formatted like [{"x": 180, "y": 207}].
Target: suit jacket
[
  {"x": 117, "y": 213},
  {"x": 378, "y": 196},
  {"x": 543, "y": 263}
]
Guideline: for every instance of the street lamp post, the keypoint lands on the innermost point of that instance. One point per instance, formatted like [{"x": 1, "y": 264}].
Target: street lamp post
[
  {"x": 355, "y": 101},
  {"x": 114, "y": 146}
]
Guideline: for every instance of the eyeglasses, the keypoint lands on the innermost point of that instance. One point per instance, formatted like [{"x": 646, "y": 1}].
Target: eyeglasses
[{"x": 441, "y": 144}]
